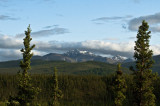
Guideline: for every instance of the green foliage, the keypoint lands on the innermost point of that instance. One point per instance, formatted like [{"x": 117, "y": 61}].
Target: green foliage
[
  {"x": 12, "y": 103},
  {"x": 26, "y": 51},
  {"x": 90, "y": 90},
  {"x": 45, "y": 67},
  {"x": 26, "y": 92},
  {"x": 119, "y": 87},
  {"x": 143, "y": 75},
  {"x": 57, "y": 93}
]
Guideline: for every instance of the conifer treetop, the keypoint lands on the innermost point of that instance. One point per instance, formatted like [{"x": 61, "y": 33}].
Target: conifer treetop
[
  {"x": 143, "y": 55},
  {"x": 26, "y": 51},
  {"x": 143, "y": 77}
]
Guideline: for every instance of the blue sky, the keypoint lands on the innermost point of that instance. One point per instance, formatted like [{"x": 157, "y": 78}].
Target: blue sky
[{"x": 105, "y": 27}]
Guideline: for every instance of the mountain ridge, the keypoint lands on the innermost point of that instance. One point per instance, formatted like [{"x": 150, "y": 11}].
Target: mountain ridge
[{"x": 82, "y": 56}]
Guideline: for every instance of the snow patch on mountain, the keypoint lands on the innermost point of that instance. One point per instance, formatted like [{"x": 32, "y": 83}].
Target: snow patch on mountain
[
  {"x": 82, "y": 56},
  {"x": 119, "y": 58},
  {"x": 78, "y": 52}
]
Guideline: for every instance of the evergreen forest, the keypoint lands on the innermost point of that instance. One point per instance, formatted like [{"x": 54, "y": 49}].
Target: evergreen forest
[{"x": 100, "y": 85}]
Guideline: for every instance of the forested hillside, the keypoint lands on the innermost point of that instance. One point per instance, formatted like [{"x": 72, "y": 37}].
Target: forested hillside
[
  {"x": 155, "y": 67},
  {"x": 82, "y": 68},
  {"x": 77, "y": 90}
]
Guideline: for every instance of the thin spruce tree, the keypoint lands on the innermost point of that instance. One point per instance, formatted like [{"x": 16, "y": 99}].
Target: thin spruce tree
[
  {"x": 143, "y": 77},
  {"x": 119, "y": 87},
  {"x": 27, "y": 93},
  {"x": 57, "y": 93}
]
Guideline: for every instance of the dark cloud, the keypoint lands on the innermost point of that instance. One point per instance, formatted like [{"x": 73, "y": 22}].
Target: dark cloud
[
  {"x": 5, "y": 17},
  {"x": 107, "y": 18},
  {"x": 104, "y": 19},
  {"x": 155, "y": 29},
  {"x": 6, "y": 54},
  {"x": 50, "y": 26},
  {"x": 124, "y": 26},
  {"x": 47, "y": 27},
  {"x": 54, "y": 31},
  {"x": 47, "y": 32},
  {"x": 9, "y": 48},
  {"x": 98, "y": 23},
  {"x": 9, "y": 43},
  {"x": 153, "y": 21}
]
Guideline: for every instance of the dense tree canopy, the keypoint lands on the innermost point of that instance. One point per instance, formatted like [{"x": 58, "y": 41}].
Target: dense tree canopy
[{"x": 119, "y": 87}]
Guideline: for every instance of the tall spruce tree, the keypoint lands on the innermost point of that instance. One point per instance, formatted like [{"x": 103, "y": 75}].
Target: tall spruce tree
[
  {"x": 143, "y": 74},
  {"x": 57, "y": 93},
  {"x": 119, "y": 87},
  {"x": 27, "y": 93}
]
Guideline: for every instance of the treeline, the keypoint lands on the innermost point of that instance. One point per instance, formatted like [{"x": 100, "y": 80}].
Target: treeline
[
  {"x": 139, "y": 89},
  {"x": 77, "y": 90}
]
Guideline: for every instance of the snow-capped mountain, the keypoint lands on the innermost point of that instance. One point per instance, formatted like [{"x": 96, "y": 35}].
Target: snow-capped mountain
[
  {"x": 77, "y": 52},
  {"x": 81, "y": 56},
  {"x": 119, "y": 58}
]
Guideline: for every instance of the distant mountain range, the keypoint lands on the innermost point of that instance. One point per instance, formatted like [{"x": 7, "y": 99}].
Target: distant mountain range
[
  {"x": 76, "y": 62},
  {"x": 82, "y": 56}
]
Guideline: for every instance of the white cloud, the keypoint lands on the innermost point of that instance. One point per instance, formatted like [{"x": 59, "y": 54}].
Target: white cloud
[
  {"x": 125, "y": 49},
  {"x": 10, "y": 47},
  {"x": 155, "y": 49},
  {"x": 96, "y": 46}
]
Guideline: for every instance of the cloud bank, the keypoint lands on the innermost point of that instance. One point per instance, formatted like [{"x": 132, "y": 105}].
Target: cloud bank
[
  {"x": 9, "y": 51},
  {"x": 7, "y": 42}
]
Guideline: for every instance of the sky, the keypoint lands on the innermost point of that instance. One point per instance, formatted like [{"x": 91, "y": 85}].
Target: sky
[{"x": 104, "y": 27}]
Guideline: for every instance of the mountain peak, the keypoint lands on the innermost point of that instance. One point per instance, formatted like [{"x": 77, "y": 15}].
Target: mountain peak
[
  {"x": 119, "y": 58},
  {"x": 77, "y": 55},
  {"x": 76, "y": 52}
]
